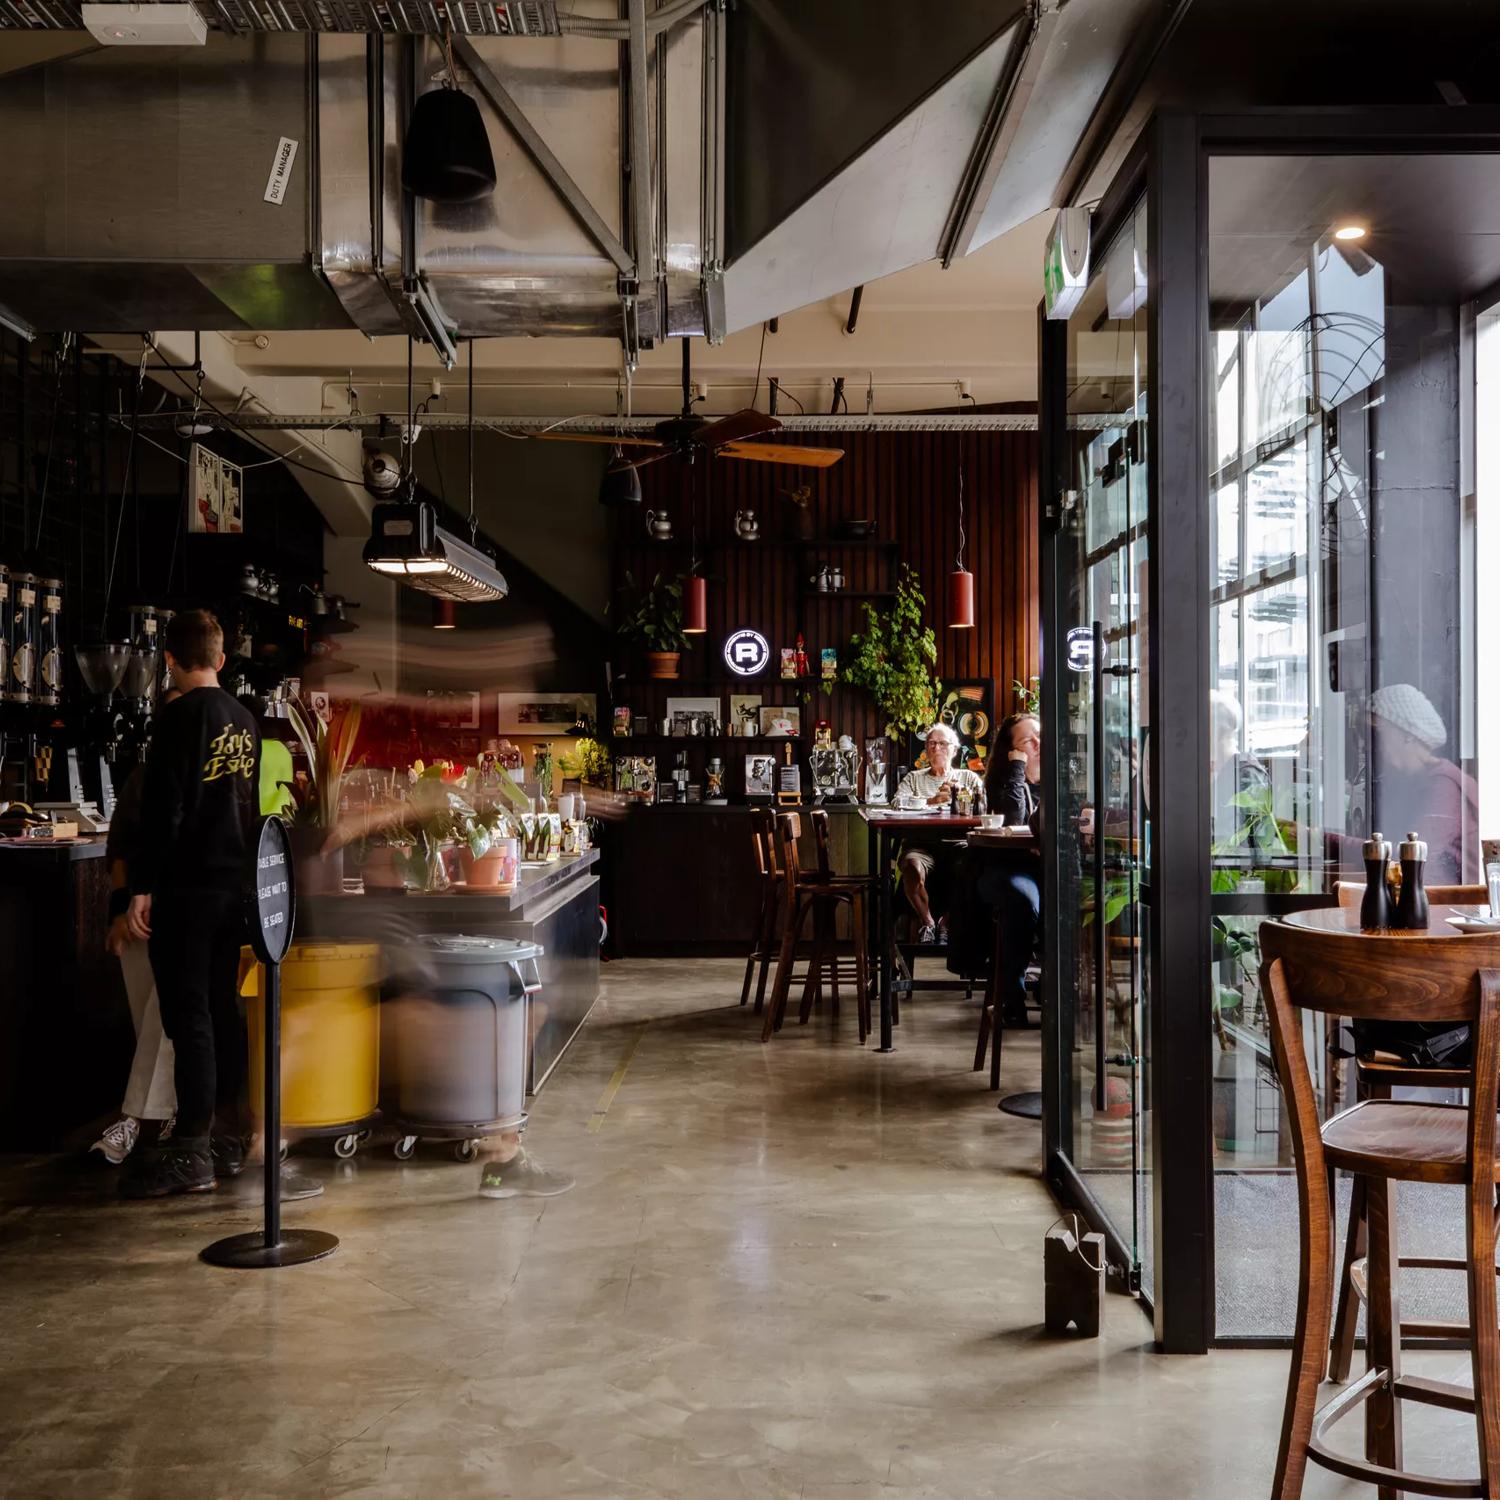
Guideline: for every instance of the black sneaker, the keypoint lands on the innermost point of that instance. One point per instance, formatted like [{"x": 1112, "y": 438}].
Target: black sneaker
[
  {"x": 228, "y": 1152},
  {"x": 184, "y": 1166}
]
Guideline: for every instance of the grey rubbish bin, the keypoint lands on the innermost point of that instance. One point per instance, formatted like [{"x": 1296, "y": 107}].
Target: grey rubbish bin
[{"x": 460, "y": 1042}]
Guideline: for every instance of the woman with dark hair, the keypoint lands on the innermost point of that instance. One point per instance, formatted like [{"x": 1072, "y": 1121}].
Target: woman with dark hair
[{"x": 1013, "y": 787}]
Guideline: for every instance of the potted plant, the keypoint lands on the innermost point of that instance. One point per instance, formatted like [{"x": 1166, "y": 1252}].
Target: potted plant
[
  {"x": 491, "y": 852},
  {"x": 317, "y": 792},
  {"x": 655, "y": 621},
  {"x": 588, "y": 764},
  {"x": 893, "y": 658}
]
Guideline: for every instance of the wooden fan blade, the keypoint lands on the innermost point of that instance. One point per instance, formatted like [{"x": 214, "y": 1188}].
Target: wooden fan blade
[
  {"x": 783, "y": 453},
  {"x": 597, "y": 437},
  {"x": 741, "y": 424},
  {"x": 640, "y": 463}
]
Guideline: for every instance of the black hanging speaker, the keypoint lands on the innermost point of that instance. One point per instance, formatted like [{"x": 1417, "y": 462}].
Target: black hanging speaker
[
  {"x": 620, "y": 486},
  {"x": 447, "y": 154}
]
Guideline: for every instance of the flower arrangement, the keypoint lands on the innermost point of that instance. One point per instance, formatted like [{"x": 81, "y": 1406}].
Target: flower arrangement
[{"x": 317, "y": 793}]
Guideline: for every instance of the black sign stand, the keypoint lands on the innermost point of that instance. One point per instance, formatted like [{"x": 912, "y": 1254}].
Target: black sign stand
[{"x": 271, "y": 915}]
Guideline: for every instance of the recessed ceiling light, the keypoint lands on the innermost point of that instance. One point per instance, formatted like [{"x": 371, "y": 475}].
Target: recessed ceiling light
[{"x": 1350, "y": 232}]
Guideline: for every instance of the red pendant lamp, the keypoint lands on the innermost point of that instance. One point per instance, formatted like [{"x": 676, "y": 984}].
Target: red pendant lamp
[{"x": 961, "y": 580}]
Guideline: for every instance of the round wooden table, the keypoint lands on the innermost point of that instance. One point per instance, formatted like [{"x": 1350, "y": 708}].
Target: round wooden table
[{"x": 1345, "y": 919}]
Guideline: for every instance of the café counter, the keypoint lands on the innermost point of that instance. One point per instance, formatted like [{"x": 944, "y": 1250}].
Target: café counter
[
  {"x": 65, "y": 1031},
  {"x": 556, "y": 905}
]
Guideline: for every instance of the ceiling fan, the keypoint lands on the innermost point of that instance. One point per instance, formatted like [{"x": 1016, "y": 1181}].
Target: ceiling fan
[{"x": 687, "y": 435}]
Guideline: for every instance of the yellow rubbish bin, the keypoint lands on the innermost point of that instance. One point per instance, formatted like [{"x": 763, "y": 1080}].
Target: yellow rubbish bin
[{"x": 330, "y": 1039}]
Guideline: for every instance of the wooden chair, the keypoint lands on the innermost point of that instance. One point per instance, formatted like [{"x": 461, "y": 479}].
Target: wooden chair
[
  {"x": 1374, "y": 1078},
  {"x": 990, "y": 1023},
  {"x": 763, "y": 943},
  {"x": 1384, "y": 1141},
  {"x": 820, "y": 895}
]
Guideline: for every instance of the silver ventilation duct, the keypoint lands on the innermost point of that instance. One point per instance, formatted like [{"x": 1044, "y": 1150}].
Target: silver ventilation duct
[{"x": 719, "y": 167}]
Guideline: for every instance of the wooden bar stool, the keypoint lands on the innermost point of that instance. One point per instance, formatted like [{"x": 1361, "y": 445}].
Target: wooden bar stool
[
  {"x": 1374, "y": 1078},
  {"x": 763, "y": 943},
  {"x": 818, "y": 895},
  {"x": 1316, "y": 961}
]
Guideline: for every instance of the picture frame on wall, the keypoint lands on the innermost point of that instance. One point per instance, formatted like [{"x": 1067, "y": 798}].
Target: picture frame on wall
[
  {"x": 682, "y": 713},
  {"x": 454, "y": 710},
  {"x": 780, "y": 721},
  {"x": 544, "y": 713},
  {"x": 966, "y": 705},
  {"x": 744, "y": 714}
]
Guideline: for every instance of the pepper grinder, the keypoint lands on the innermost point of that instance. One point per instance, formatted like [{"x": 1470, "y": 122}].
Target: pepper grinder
[
  {"x": 1376, "y": 908},
  {"x": 1413, "y": 910}
]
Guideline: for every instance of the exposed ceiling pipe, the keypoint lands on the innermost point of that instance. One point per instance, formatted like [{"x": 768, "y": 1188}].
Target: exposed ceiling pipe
[{"x": 854, "y": 302}]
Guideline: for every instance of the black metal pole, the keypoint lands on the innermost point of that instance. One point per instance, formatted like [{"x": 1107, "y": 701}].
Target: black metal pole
[
  {"x": 883, "y": 936},
  {"x": 273, "y": 1105},
  {"x": 1100, "y": 1094}
]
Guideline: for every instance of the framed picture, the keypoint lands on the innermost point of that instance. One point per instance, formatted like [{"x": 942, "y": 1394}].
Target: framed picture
[
  {"x": 744, "y": 714},
  {"x": 780, "y": 723},
  {"x": 683, "y": 712},
  {"x": 966, "y": 707},
  {"x": 544, "y": 713},
  {"x": 760, "y": 776},
  {"x": 635, "y": 776},
  {"x": 456, "y": 710}
]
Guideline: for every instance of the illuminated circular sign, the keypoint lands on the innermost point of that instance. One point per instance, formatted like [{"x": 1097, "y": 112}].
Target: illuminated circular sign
[
  {"x": 1080, "y": 648},
  {"x": 747, "y": 653}
]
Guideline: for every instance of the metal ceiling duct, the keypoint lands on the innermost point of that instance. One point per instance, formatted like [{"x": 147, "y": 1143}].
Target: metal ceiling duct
[{"x": 654, "y": 189}]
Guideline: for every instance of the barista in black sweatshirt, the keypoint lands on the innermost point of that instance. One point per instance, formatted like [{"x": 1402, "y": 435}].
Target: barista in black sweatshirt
[{"x": 199, "y": 817}]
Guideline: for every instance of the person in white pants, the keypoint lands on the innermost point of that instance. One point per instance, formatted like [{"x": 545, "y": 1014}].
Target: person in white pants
[{"x": 151, "y": 1093}]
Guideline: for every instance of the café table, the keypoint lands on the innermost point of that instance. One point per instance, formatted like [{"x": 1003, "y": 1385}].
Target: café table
[{"x": 885, "y": 827}]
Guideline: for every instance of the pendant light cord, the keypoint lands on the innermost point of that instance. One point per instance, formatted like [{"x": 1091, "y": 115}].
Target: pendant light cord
[
  {"x": 411, "y": 442},
  {"x": 473, "y": 524},
  {"x": 962, "y": 535}
]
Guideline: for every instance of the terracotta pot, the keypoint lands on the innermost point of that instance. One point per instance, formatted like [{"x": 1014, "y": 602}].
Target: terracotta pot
[
  {"x": 318, "y": 874},
  {"x": 496, "y": 869},
  {"x": 662, "y": 663},
  {"x": 380, "y": 870}
]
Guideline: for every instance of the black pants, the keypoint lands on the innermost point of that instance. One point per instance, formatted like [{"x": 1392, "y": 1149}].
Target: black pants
[{"x": 195, "y": 953}]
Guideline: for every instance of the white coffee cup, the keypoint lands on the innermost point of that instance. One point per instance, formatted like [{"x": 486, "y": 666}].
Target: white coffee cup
[{"x": 992, "y": 822}]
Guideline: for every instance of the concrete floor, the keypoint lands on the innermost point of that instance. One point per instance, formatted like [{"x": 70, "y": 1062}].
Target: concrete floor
[{"x": 800, "y": 1270}]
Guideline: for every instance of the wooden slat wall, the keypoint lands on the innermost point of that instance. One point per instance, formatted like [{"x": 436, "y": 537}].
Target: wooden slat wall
[{"x": 908, "y": 482}]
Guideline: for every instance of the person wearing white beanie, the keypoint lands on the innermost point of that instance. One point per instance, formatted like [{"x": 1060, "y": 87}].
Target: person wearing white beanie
[{"x": 1417, "y": 789}]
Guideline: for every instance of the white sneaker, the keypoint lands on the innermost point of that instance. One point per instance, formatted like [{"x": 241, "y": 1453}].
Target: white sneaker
[
  {"x": 118, "y": 1141},
  {"x": 927, "y": 934}
]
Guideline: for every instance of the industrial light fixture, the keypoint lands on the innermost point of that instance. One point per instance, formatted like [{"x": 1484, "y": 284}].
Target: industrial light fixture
[
  {"x": 961, "y": 580},
  {"x": 1347, "y": 232},
  {"x": 446, "y": 155},
  {"x": 620, "y": 486},
  {"x": 407, "y": 543}
]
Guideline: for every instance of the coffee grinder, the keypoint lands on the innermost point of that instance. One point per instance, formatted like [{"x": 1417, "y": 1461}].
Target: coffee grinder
[{"x": 87, "y": 775}]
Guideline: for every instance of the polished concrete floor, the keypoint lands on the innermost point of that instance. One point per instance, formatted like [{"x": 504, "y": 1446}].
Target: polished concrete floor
[{"x": 800, "y": 1270}]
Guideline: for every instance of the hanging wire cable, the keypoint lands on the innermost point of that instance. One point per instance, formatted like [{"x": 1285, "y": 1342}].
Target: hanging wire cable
[
  {"x": 62, "y": 358},
  {"x": 760, "y": 360},
  {"x": 473, "y": 523},
  {"x": 963, "y": 538},
  {"x": 114, "y": 555}
]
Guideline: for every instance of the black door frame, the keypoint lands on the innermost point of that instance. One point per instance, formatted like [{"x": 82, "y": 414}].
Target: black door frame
[{"x": 1170, "y": 165}]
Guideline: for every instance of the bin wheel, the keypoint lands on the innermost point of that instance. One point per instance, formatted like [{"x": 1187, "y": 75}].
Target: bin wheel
[
  {"x": 345, "y": 1146},
  {"x": 405, "y": 1147},
  {"x": 466, "y": 1150}
]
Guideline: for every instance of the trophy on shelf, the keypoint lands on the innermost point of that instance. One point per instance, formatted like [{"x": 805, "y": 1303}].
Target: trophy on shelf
[{"x": 877, "y": 771}]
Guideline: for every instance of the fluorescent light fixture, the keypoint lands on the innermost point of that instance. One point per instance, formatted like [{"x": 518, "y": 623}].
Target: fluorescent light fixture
[
  {"x": 1347, "y": 232},
  {"x": 159, "y": 24},
  {"x": 407, "y": 543}
]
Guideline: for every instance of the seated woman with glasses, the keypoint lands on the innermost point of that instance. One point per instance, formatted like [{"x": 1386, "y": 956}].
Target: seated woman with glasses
[{"x": 923, "y": 864}]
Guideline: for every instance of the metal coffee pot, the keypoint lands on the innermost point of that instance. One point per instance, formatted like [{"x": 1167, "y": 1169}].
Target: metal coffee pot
[
  {"x": 659, "y": 525},
  {"x": 746, "y": 527}
]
